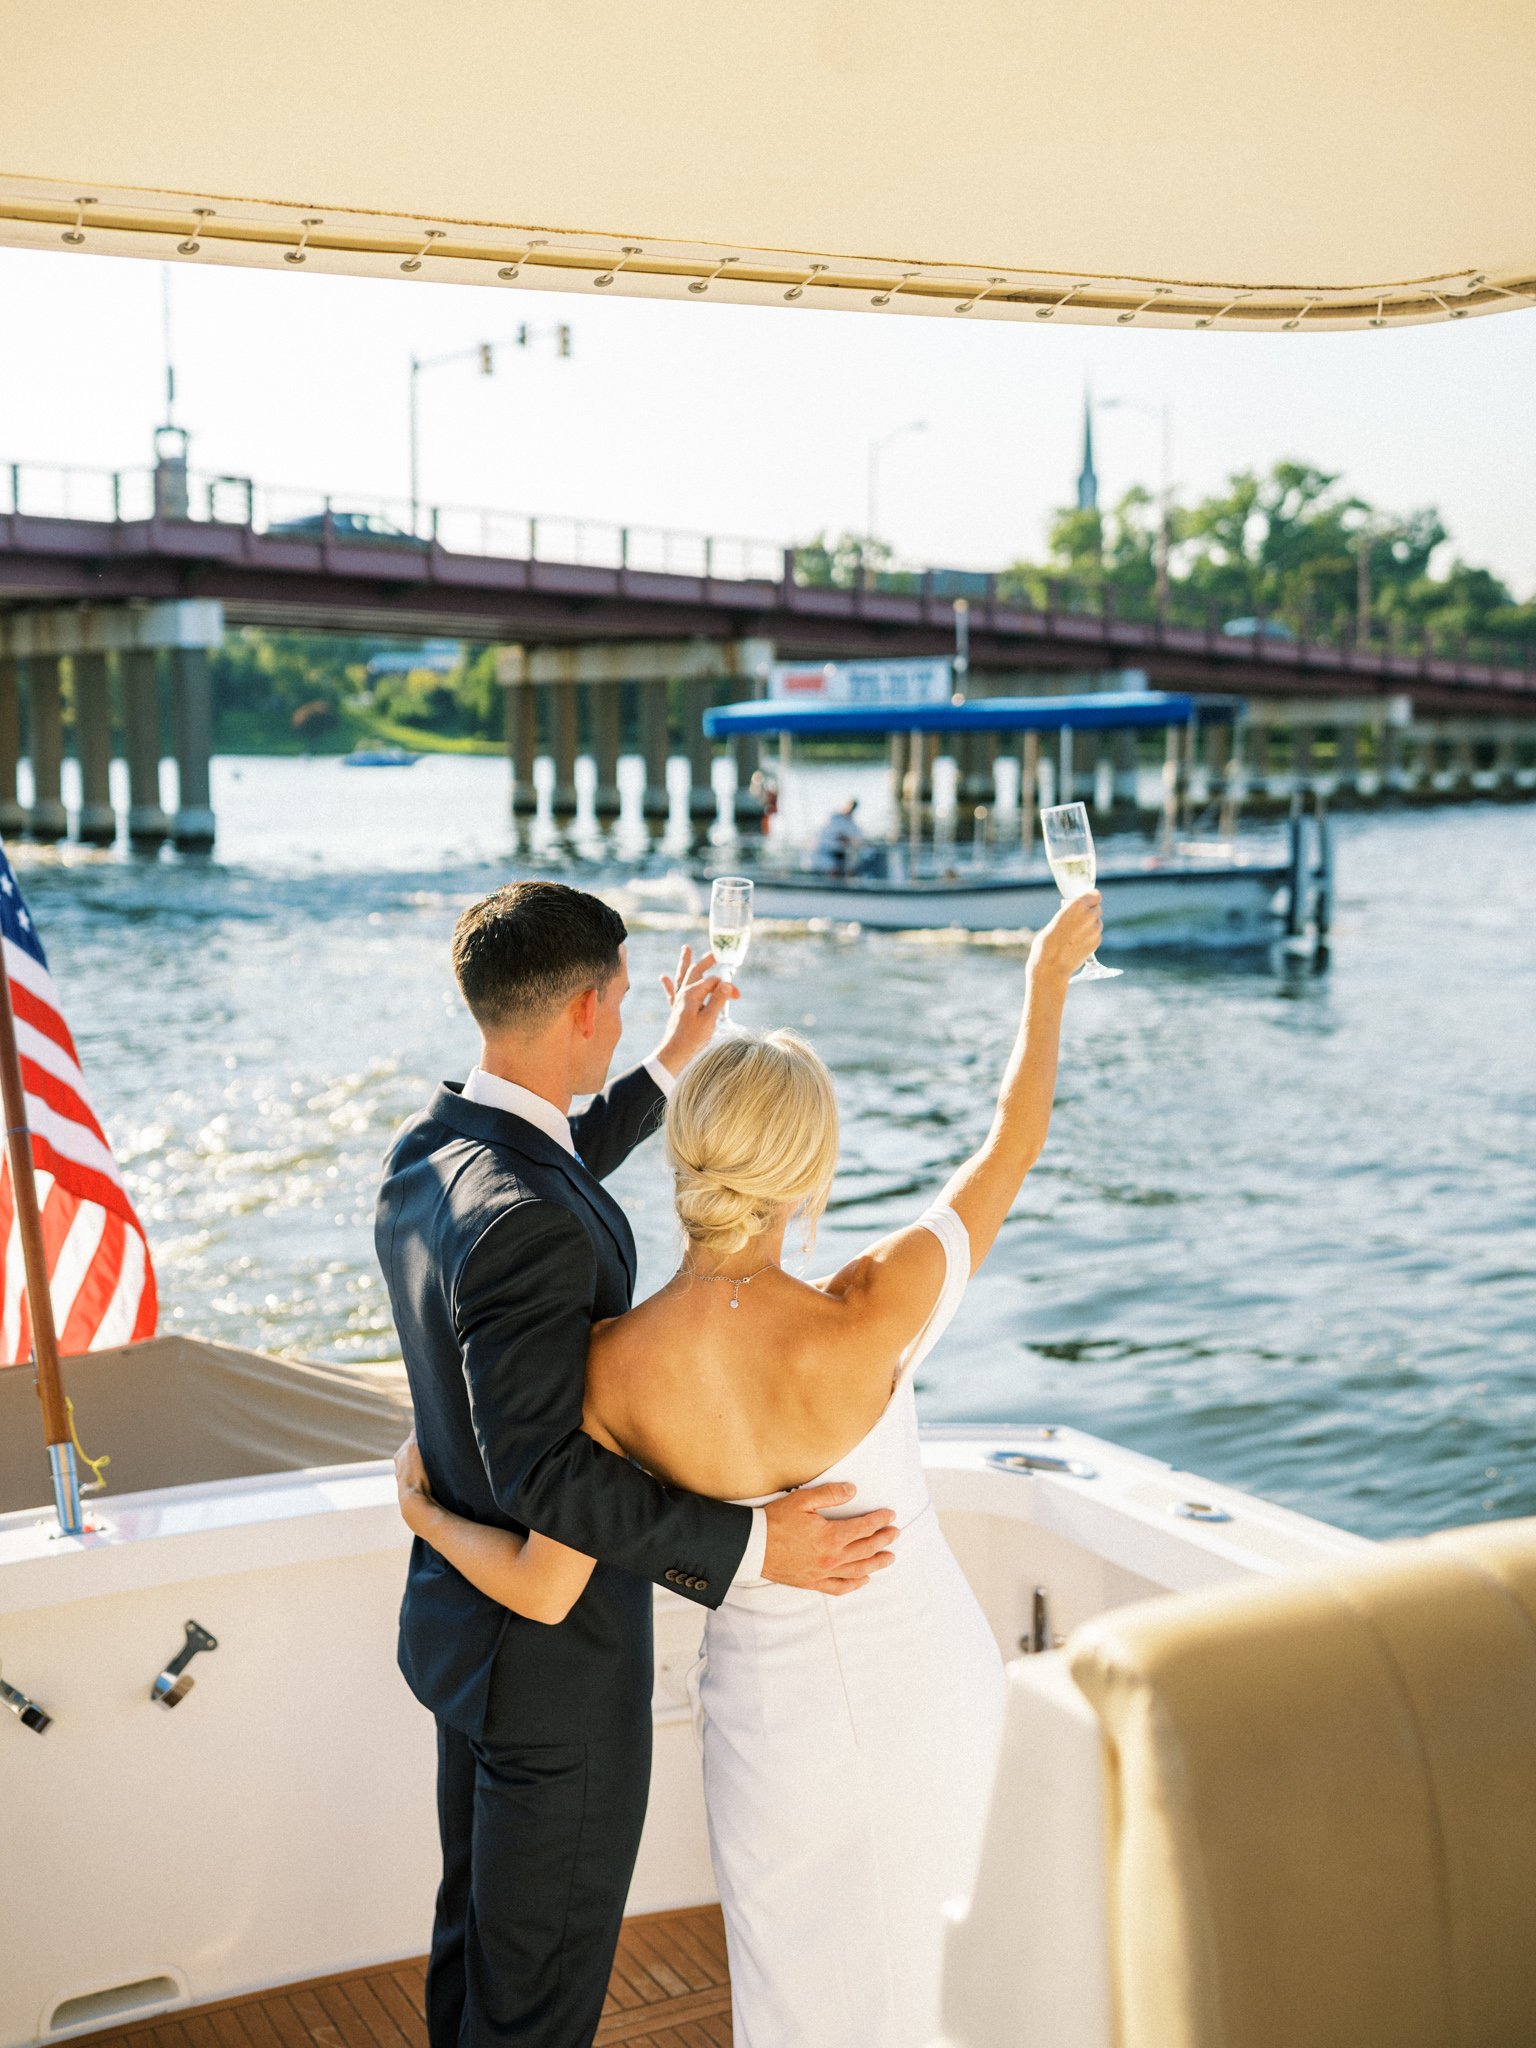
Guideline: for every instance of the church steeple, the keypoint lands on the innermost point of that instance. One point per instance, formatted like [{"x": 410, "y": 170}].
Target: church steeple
[{"x": 1087, "y": 481}]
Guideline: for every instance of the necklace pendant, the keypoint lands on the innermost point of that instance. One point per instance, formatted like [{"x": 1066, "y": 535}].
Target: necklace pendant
[{"x": 735, "y": 1301}]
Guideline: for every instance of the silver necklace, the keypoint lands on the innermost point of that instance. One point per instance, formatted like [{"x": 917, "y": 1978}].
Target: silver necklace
[{"x": 737, "y": 1280}]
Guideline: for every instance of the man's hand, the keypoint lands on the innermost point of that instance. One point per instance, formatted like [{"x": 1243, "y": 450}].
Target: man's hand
[
  {"x": 697, "y": 997},
  {"x": 808, "y": 1550}
]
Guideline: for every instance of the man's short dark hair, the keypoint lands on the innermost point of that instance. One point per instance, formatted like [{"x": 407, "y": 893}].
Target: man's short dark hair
[{"x": 522, "y": 953}]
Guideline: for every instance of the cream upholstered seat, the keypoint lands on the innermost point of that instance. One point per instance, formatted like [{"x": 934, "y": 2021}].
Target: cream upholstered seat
[
  {"x": 1315, "y": 1803},
  {"x": 1323, "y": 1804}
]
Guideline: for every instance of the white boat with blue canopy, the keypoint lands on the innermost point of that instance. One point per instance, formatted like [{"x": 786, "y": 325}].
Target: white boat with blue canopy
[{"x": 1184, "y": 891}]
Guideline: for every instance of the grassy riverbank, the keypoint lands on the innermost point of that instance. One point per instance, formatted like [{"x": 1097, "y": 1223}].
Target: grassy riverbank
[{"x": 243, "y": 732}]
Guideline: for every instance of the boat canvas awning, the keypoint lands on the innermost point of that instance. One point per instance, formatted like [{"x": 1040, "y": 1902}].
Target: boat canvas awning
[
  {"x": 1252, "y": 167},
  {"x": 1103, "y": 710}
]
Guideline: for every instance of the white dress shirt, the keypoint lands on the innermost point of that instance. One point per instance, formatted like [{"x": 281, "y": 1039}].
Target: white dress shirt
[{"x": 493, "y": 1091}]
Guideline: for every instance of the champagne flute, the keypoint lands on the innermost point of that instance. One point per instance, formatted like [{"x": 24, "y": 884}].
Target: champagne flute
[
  {"x": 1068, "y": 838},
  {"x": 730, "y": 929}
]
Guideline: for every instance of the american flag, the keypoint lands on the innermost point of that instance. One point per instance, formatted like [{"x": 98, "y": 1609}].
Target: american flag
[{"x": 103, "y": 1284}]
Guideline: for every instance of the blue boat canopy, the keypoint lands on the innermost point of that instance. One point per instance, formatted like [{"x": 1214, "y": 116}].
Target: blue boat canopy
[{"x": 1092, "y": 712}]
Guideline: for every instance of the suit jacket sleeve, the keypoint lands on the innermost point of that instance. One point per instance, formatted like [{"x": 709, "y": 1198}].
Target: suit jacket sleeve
[
  {"x": 616, "y": 1121},
  {"x": 523, "y": 1310}
]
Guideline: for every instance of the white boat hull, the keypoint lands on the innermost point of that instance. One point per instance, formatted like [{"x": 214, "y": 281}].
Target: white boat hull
[
  {"x": 1237, "y": 906},
  {"x": 279, "y": 1823}
]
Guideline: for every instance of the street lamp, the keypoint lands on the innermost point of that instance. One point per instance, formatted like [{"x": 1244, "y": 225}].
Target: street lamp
[
  {"x": 483, "y": 353},
  {"x": 1163, "y": 412},
  {"x": 876, "y": 449}
]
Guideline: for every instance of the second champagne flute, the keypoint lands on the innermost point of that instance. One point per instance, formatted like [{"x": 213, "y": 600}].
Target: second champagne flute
[
  {"x": 730, "y": 929},
  {"x": 1068, "y": 838}
]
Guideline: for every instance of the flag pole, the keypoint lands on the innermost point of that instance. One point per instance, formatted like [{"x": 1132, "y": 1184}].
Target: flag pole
[{"x": 45, "y": 1342}]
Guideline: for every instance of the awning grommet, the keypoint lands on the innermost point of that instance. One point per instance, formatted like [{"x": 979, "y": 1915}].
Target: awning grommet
[
  {"x": 511, "y": 270},
  {"x": 299, "y": 253},
  {"x": 700, "y": 285},
  {"x": 76, "y": 235},
  {"x": 194, "y": 241},
  {"x": 629, "y": 249},
  {"x": 413, "y": 263},
  {"x": 797, "y": 291},
  {"x": 992, "y": 285},
  {"x": 884, "y": 298}
]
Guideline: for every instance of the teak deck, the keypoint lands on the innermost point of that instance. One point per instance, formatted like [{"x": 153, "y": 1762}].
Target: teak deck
[{"x": 670, "y": 1989}]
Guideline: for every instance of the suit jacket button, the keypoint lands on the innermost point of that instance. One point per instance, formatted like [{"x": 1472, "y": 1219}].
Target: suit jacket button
[
  {"x": 702, "y": 1584},
  {"x": 671, "y": 1578}
]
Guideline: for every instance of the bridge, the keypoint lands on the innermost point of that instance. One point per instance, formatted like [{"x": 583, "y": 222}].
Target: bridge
[
  {"x": 304, "y": 561},
  {"x": 138, "y": 571}
]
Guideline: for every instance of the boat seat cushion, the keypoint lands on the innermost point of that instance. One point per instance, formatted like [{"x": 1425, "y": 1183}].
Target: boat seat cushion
[{"x": 1322, "y": 1799}]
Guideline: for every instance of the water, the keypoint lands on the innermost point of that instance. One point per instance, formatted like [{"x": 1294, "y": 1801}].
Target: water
[{"x": 1284, "y": 1232}]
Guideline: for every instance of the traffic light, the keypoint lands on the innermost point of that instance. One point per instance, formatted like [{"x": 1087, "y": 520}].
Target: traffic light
[
  {"x": 487, "y": 359},
  {"x": 562, "y": 340}
]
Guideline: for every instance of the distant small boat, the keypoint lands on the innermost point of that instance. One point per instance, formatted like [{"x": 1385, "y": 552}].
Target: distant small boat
[
  {"x": 1221, "y": 893},
  {"x": 363, "y": 756}
]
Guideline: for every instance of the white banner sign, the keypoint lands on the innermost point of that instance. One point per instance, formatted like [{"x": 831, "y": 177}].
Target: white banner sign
[{"x": 929, "y": 681}]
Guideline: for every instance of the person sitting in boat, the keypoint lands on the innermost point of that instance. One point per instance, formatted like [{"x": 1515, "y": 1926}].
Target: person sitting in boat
[{"x": 841, "y": 848}]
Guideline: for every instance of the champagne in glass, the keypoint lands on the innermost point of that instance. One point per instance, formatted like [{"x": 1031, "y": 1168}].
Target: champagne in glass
[
  {"x": 730, "y": 928},
  {"x": 1068, "y": 838}
]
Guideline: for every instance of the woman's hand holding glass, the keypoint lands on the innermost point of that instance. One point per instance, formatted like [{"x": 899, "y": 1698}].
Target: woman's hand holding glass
[{"x": 1068, "y": 941}]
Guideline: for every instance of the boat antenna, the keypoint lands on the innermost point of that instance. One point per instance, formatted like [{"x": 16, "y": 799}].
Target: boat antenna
[{"x": 29, "y": 1222}]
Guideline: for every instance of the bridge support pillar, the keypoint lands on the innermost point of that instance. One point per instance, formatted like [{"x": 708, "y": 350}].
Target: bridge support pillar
[
  {"x": 1303, "y": 762},
  {"x": 1346, "y": 757},
  {"x": 1122, "y": 747},
  {"x": 97, "y": 822},
  {"x": 654, "y": 745},
  {"x": 560, "y": 736},
  {"x": 192, "y": 702},
  {"x": 1257, "y": 762},
  {"x": 1389, "y": 758},
  {"x": 148, "y": 825},
  {"x": 1463, "y": 761},
  {"x": 45, "y": 744},
  {"x": 603, "y": 732},
  {"x": 521, "y": 713},
  {"x": 12, "y": 817},
  {"x": 698, "y": 696}
]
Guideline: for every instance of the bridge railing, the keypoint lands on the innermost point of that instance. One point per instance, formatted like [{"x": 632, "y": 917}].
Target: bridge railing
[{"x": 60, "y": 491}]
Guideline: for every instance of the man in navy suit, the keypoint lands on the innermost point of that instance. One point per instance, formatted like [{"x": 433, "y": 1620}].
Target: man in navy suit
[{"x": 501, "y": 1247}]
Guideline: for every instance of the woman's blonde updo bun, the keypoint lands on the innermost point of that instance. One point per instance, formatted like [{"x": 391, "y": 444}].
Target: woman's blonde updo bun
[{"x": 751, "y": 1132}]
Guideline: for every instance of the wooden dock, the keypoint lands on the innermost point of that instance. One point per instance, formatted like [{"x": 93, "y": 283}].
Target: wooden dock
[{"x": 670, "y": 1989}]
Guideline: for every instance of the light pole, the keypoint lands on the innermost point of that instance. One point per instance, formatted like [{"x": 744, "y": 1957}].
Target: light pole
[
  {"x": 962, "y": 662},
  {"x": 876, "y": 449},
  {"x": 484, "y": 353},
  {"x": 1164, "y": 413}
]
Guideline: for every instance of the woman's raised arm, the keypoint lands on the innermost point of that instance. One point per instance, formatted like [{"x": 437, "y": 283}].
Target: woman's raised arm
[
  {"x": 892, "y": 1288},
  {"x": 983, "y": 1190}
]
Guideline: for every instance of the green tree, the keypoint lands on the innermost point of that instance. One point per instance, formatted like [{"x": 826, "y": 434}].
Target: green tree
[{"x": 840, "y": 564}]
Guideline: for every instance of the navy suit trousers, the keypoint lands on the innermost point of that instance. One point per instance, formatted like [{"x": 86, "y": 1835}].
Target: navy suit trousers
[{"x": 539, "y": 1843}]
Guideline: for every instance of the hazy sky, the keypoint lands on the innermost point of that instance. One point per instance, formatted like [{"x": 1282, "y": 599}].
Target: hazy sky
[{"x": 746, "y": 420}]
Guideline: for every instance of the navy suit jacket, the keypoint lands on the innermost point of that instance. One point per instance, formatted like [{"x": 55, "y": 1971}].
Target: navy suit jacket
[{"x": 500, "y": 1251}]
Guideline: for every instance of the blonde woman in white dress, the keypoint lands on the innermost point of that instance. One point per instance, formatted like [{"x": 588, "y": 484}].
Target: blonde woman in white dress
[{"x": 849, "y": 1744}]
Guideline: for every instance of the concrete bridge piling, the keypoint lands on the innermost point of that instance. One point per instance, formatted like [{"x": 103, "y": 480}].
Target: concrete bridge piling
[
  {"x": 109, "y": 667},
  {"x": 645, "y": 699}
]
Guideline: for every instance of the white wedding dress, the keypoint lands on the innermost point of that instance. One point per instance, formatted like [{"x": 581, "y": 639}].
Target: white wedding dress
[{"x": 849, "y": 1749}]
